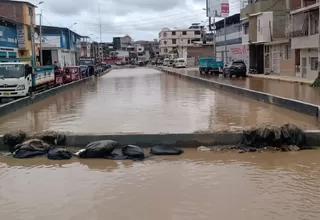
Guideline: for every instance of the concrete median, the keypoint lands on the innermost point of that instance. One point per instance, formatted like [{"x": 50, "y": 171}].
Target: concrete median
[
  {"x": 292, "y": 104},
  {"x": 183, "y": 140}
]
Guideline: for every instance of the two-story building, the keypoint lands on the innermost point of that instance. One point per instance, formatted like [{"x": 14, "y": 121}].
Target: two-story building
[
  {"x": 16, "y": 24},
  {"x": 233, "y": 42},
  {"x": 177, "y": 41},
  {"x": 304, "y": 32},
  {"x": 60, "y": 44},
  {"x": 264, "y": 31}
]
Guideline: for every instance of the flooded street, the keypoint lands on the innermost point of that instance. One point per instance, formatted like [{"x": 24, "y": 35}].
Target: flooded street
[
  {"x": 302, "y": 92},
  {"x": 146, "y": 100},
  {"x": 280, "y": 186}
]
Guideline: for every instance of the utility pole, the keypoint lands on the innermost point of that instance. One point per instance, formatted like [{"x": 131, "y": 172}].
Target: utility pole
[
  {"x": 319, "y": 47},
  {"x": 225, "y": 39},
  {"x": 40, "y": 30},
  {"x": 32, "y": 37}
]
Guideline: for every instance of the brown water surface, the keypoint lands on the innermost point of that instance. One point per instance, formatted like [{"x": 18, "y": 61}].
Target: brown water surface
[
  {"x": 302, "y": 92},
  {"x": 195, "y": 185},
  {"x": 146, "y": 100}
]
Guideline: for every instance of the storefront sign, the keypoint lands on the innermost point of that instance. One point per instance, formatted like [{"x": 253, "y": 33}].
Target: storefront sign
[
  {"x": 8, "y": 36},
  {"x": 224, "y": 8},
  {"x": 51, "y": 41},
  {"x": 21, "y": 36}
]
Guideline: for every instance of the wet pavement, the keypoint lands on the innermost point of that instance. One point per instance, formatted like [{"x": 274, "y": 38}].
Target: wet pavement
[
  {"x": 298, "y": 91},
  {"x": 195, "y": 185},
  {"x": 147, "y": 101}
]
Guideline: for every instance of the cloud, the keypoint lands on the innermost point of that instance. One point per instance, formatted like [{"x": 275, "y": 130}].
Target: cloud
[{"x": 142, "y": 19}]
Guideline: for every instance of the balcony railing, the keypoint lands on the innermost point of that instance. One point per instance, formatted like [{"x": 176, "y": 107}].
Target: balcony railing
[{"x": 297, "y": 4}]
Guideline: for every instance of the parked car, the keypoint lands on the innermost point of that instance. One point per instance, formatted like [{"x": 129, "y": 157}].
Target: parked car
[
  {"x": 236, "y": 68},
  {"x": 179, "y": 63}
]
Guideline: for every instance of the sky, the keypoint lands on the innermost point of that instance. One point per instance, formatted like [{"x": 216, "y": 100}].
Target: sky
[{"x": 141, "y": 19}]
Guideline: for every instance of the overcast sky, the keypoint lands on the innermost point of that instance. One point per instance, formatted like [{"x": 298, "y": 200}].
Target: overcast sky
[{"x": 141, "y": 19}]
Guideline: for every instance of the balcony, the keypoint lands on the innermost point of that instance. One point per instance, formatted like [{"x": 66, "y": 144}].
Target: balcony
[
  {"x": 303, "y": 30},
  {"x": 298, "y": 6},
  {"x": 261, "y": 6}
]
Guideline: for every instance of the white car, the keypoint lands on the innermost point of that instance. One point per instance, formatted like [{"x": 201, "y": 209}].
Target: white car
[{"x": 180, "y": 63}]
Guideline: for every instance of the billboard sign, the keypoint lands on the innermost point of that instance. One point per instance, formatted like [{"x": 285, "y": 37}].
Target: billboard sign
[
  {"x": 51, "y": 41},
  {"x": 21, "y": 36},
  {"x": 217, "y": 8},
  {"x": 8, "y": 36},
  {"x": 224, "y": 8}
]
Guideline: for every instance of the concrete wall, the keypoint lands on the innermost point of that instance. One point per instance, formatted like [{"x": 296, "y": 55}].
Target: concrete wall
[{"x": 308, "y": 54}]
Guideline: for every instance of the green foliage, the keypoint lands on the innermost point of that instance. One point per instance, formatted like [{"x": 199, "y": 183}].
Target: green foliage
[{"x": 316, "y": 83}]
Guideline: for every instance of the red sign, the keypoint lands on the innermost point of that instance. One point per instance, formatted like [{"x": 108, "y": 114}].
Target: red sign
[
  {"x": 238, "y": 50},
  {"x": 224, "y": 8}
]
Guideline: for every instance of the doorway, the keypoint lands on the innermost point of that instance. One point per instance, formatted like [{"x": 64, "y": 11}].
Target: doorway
[
  {"x": 304, "y": 67},
  {"x": 47, "y": 57}
]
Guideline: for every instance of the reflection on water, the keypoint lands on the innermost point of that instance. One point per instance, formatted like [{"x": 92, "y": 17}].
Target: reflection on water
[
  {"x": 145, "y": 100},
  {"x": 194, "y": 185},
  {"x": 290, "y": 90}
]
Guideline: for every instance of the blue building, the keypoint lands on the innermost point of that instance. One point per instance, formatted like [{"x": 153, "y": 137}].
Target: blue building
[
  {"x": 8, "y": 39},
  {"x": 59, "y": 44}
]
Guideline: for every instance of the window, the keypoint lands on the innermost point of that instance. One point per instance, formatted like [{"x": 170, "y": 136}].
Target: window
[
  {"x": 259, "y": 25},
  {"x": 189, "y": 41},
  {"x": 246, "y": 28},
  {"x": 287, "y": 52},
  {"x": 314, "y": 63},
  {"x": 29, "y": 33},
  {"x": 314, "y": 23},
  {"x": 174, "y": 41},
  {"x": 197, "y": 32},
  {"x": 173, "y": 33},
  {"x": 165, "y": 50},
  {"x": 184, "y": 33}
]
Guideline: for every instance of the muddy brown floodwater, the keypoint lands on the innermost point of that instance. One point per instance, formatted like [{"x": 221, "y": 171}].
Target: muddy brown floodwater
[
  {"x": 302, "y": 92},
  {"x": 146, "y": 100},
  {"x": 195, "y": 185}
]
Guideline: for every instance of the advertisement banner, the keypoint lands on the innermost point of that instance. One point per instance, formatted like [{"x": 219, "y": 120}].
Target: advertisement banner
[
  {"x": 218, "y": 8},
  {"x": 51, "y": 41},
  {"x": 8, "y": 36},
  {"x": 224, "y": 8},
  {"x": 21, "y": 36}
]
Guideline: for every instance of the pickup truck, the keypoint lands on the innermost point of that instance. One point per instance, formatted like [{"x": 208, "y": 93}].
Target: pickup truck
[
  {"x": 20, "y": 79},
  {"x": 209, "y": 65}
]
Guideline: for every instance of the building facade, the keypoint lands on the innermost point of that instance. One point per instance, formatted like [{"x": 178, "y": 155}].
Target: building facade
[
  {"x": 304, "y": 32},
  {"x": 61, "y": 45},
  {"x": 85, "y": 47},
  {"x": 235, "y": 49},
  {"x": 177, "y": 41},
  {"x": 264, "y": 32},
  {"x": 17, "y": 23}
]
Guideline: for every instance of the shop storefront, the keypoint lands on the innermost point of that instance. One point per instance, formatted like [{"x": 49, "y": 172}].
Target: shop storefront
[{"x": 8, "y": 40}]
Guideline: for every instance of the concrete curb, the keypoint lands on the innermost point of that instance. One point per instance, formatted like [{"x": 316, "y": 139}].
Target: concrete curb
[
  {"x": 186, "y": 140},
  {"x": 292, "y": 104},
  {"x": 260, "y": 76},
  {"x": 24, "y": 102}
]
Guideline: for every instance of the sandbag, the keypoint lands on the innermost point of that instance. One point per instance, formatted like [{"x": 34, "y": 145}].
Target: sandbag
[
  {"x": 98, "y": 149},
  {"x": 133, "y": 151},
  {"x": 13, "y": 138},
  {"x": 165, "y": 150},
  {"x": 52, "y": 137},
  {"x": 31, "y": 148},
  {"x": 280, "y": 137},
  {"x": 59, "y": 154}
]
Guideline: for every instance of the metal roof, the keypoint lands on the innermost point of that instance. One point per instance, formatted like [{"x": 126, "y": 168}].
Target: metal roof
[
  {"x": 60, "y": 28},
  {"x": 18, "y": 2}
]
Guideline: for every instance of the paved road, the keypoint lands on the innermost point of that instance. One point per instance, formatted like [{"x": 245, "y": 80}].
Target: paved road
[{"x": 146, "y": 100}]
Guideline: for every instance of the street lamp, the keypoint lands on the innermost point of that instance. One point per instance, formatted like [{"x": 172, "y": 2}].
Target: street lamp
[
  {"x": 70, "y": 37},
  {"x": 40, "y": 30}
]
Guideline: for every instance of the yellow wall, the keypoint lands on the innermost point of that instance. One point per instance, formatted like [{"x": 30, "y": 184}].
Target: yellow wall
[{"x": 26, "y": 17}]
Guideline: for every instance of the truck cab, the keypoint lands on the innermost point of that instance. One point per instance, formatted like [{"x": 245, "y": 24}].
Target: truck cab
[{"x": 15, "y": 79}]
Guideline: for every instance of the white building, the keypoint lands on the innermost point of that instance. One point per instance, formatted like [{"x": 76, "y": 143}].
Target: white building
[
  {"x": 172, "y": 41},
  {"x": 235, "y": 49},
  {"x": 304, "y": 34}
]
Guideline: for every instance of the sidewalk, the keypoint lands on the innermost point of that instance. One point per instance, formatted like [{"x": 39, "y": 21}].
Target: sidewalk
[{"x": 283, "y": 78}]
